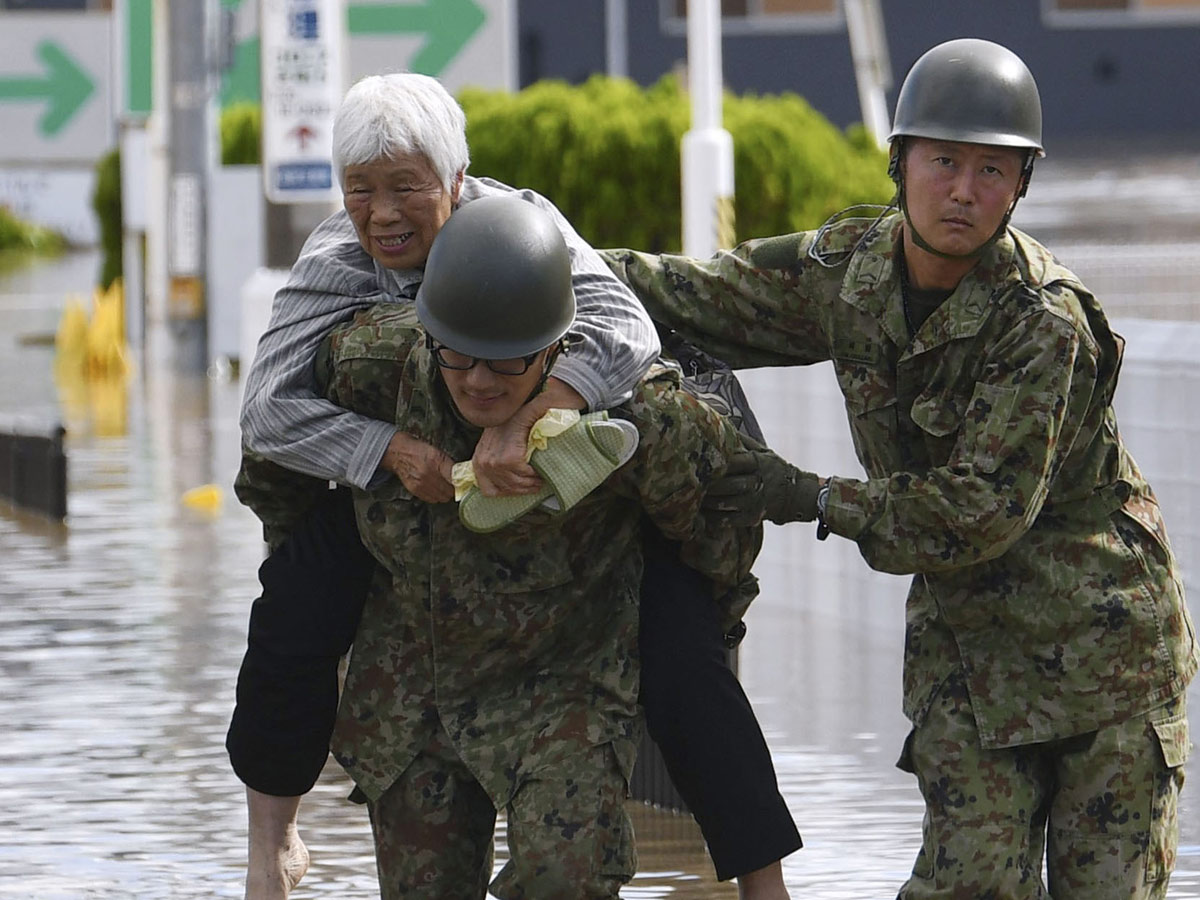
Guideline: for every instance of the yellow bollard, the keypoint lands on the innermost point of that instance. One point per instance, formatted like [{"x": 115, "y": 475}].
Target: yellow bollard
[
  {"x": 70, "y": 341},
  {"x": 93, "y": 346},
  {"x": 106, "y": 335},
  {"x": 91, "y": 363}
]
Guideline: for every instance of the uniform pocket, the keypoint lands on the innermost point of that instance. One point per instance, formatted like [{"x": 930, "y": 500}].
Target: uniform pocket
[
  {"x": 1175, "y": 743},
  {"x": 937, "y": 416},
  {"x": 923, "y": 867},
  {"x": 987, "y": 424},
  {"x": 517, "y": 565}
]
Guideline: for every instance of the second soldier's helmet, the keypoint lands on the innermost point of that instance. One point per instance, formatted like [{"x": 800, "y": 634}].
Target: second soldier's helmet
[
  {"x": 973, "y": 91},
  {"x": 497, "y": 281}
]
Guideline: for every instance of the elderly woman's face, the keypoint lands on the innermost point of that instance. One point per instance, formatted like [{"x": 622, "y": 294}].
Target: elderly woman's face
[{"x": 398, "y": 206}]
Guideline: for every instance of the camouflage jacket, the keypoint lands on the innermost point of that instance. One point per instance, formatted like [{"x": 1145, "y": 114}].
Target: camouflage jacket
[
  {"x": 995, "y": 472},
  {"x": 522, "y": 642}
]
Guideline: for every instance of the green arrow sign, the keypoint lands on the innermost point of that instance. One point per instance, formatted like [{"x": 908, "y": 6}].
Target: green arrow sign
[
  {"x": 449, "y": 24},
  {"x": 65, "y": 88}
]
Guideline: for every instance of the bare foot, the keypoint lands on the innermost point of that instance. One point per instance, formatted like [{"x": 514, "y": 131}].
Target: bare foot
[
  {"x": 278, "y": 858},
  {"x": 273, "y": 879}
]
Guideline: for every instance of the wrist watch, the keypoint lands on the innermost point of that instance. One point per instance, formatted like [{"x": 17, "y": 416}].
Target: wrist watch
[{"x": 822, "y": 502}]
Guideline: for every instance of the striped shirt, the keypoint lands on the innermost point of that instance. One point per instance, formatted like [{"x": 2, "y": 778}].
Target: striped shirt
[{"x": 285, "y": 420}]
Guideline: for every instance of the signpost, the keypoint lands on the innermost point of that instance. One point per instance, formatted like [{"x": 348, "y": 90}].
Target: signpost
[
  {"x": 447, "y": 26},
  {"x": 54, "y": 88},
  {"x": 62, "y": 89},
  {"x": 302, "y": 84},
  {"x": 460, "y": 42},
  {"x": 55, "y": 116}
]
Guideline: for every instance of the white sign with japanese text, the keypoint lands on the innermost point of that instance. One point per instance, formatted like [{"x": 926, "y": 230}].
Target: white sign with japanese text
[{"x": 302, "y": 85}]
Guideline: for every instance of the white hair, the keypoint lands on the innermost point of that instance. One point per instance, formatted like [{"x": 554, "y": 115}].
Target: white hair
[{"x": 384, "y": 115}]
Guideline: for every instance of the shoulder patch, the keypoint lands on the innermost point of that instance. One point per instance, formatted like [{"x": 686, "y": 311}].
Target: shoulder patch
[{"x": 781, "y": 252}]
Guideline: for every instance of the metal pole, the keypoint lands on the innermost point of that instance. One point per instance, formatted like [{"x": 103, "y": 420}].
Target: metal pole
[
  {"x": 707, "y": 152},
  {"x": 872, "y": 68},
  {"x": 616, "y": 38},
  {"x": 189, "y": 137}
]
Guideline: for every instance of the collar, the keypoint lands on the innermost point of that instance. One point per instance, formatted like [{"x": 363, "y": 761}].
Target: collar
[{"x": 873, "y": 285}]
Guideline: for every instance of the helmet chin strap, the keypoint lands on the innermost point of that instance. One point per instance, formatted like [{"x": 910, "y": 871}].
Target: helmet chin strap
[
  {"x": 929, "y": 248},
  {"x": 896, "y": 170},
  {"x": 547, "y": 365}
]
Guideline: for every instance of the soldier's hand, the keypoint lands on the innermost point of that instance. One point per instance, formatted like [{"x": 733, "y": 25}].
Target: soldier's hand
[
  {"x": 422, "y": 468},
  {"x": 758, "y": 484},
  {"x": 736, "y": 499}
]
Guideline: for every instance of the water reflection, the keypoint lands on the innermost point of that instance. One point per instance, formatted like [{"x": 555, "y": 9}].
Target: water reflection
[{"x": 121, "y": 632}]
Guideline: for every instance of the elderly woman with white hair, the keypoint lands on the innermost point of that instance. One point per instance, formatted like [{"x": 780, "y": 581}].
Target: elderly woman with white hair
[{"x": 401, "y": 152}]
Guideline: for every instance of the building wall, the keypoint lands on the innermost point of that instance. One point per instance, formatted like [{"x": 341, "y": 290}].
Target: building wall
[{"x": 1129, "y": 72}]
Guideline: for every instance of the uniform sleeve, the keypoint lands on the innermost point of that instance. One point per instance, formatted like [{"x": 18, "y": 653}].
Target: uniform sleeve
[
  {"x": 283, "y": 418},
  {"x": 685, "y": 445},
  {"x": 761, "y": 304},
  {"x": 618, "y": 340},
  {"x": 360, "y": 366},
  {"x": 279, "y": 497},
  {"x": 1026, "y": 414}
]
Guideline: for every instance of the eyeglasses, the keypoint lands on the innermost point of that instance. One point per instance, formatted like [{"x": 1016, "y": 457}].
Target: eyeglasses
[{"x": 452, "y": 359}]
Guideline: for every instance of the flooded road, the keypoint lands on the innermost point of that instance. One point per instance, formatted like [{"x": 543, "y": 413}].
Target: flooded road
[{"x": 122, "y": 629}]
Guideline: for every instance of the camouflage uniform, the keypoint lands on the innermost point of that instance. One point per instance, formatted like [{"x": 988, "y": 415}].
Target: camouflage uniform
[
  {"x": 1046, "y": 604},
  {"x": 500, "y": 670}
]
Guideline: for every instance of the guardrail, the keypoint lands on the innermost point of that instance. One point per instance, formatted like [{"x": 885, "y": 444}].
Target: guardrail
[
  {"x": 33, "y": 466},
  {"x": 650, "y": 782}
]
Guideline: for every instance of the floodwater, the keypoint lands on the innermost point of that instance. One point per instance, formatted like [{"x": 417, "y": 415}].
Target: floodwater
[{"x": 122, "y": 629}]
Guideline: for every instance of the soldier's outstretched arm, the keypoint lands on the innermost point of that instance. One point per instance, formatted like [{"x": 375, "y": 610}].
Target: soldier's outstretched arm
[{"x": 761, "y": 304}]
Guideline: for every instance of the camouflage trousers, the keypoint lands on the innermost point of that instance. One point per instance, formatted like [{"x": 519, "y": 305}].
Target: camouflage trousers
[
  {"x": 568, "y": 832},
  {"x": 1100, "y": 807}
]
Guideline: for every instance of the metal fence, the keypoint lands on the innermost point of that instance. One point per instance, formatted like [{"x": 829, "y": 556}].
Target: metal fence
[
  {"x": 33, "y": 467},
  {"x": 1140, "y": 280}
]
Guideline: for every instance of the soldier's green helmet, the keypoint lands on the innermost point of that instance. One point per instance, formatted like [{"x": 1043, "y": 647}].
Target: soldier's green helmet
[
  {"x": 973, "y": 91},
  {"x": 497, "y": 281}
]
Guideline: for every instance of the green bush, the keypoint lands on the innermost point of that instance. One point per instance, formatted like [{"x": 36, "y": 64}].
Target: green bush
[
  {"x": 241, "y": 127},
  {"x": 607, "y": 153},
  {"x": 106, "y": 202},
  {"x": 19, "y": 236}
]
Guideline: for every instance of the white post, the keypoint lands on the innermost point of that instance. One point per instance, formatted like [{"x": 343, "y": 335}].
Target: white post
[
  {"x": 872, "y": 68},
  {"x": 707, "y": 152},
  {"x": 616, "y": 38},
  {"x": 135, "y": 209}
]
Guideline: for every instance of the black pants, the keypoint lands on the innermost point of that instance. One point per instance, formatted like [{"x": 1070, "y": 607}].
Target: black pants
[{"x": 313, "y": 589}]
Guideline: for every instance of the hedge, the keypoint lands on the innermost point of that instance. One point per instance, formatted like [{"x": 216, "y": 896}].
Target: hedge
[
  {"x": 19, "y": 236},
  {"x": 241, "y": 126},
  {"x": 607, "y": 153},
  {"x": 106, "y": 202}
]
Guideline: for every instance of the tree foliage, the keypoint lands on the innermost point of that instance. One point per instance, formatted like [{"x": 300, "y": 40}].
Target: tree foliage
[
  {"x": 106, "y": 202},
  {"x": 607, "y": 153}
]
